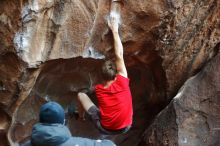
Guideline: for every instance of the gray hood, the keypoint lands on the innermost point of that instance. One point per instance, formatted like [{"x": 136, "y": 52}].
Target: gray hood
[{"x": 49, "y": 134}]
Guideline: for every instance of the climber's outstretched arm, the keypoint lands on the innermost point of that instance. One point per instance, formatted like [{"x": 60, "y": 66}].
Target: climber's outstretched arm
[{"x": 113, "y": 24}]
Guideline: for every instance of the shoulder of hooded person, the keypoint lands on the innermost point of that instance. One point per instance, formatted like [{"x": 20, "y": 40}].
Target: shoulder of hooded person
[
  {"x": 79, "y": 141},
  {"x": 76, "y": 141}
]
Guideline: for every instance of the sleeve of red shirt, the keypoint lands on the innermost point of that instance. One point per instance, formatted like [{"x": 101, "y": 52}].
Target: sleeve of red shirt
[{"x": 122, "y": 81}]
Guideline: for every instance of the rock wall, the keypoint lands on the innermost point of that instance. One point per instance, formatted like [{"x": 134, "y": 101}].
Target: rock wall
[
  {"x": 192, "y": 118},
  {"x": 11, "y": 66},
  {"x": 49, "y": 50},
  {"x": 183, "y": 33}
]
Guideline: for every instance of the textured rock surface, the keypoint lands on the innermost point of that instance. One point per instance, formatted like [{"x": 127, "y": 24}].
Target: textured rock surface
[
  {"x": 192, "y": 118},
  {"x": 183, "y": 32},
  {"x": 165, "y": 43},
  {"x": 10, "y": 64}
]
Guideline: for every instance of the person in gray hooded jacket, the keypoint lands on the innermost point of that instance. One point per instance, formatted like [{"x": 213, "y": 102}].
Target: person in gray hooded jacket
[{"x": 51, "y": 131}]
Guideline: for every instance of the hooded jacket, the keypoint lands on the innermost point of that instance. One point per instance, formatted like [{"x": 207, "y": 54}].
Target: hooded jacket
[{"x": 59, "y": 135}]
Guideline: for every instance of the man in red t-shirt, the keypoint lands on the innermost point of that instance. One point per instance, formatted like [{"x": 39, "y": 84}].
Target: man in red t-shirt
[{"x": 115, "y": 111}]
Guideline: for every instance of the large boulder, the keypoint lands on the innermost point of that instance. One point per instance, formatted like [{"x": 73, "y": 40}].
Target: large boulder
[
  {"x": 192, "y": 118},
  {"x": 182, "y": 33}
]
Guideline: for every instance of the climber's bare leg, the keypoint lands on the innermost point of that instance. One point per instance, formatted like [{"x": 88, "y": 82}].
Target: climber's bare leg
[
  {"x": 81, "y": 111},
  {"x": 84, "y": 104}
]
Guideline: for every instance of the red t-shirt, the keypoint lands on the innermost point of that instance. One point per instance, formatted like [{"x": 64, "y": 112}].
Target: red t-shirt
[{"x": 115, "y": 104}]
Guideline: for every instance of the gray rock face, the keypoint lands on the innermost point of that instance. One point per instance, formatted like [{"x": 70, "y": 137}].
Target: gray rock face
[{"x": 192, "y": 118}]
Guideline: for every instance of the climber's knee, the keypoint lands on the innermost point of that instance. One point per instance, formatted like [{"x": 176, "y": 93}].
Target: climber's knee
[{"x": 81, "y": 95}]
